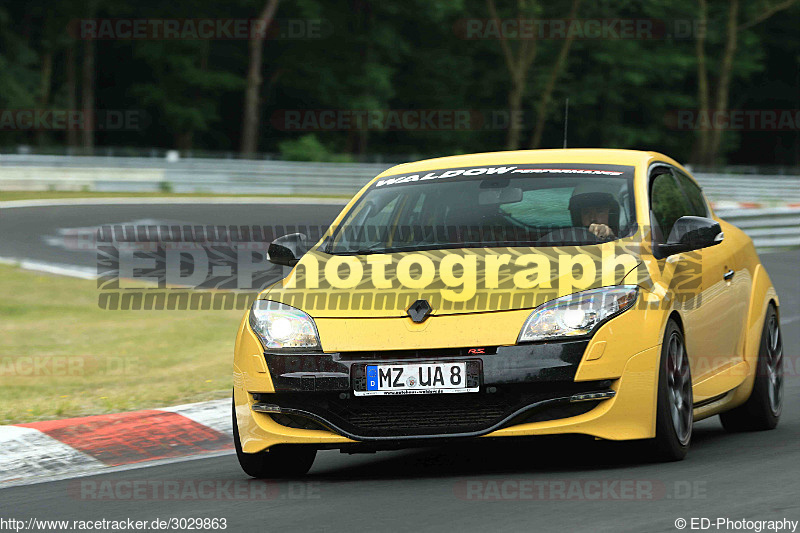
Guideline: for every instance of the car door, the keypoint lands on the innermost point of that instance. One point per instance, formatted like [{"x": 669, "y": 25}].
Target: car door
[
  {"x": 695, "y": 280},
  {"x": 738, "y": 279}
]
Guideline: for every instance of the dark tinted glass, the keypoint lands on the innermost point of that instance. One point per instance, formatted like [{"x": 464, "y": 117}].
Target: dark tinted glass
[
  {"x": 523, "y": 206},
  {"x": 694, "y": 194},
  {"x": 667, "y": 204}
]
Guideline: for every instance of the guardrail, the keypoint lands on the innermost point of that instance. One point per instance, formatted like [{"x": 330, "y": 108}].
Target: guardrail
[
  {"x": 138, "y": 174},
  {"x": 775, "y": 227},
  {"x": 771, "y": 227},
  {"x": 133, "y": 174},
  {"x": 750, "y": 188}
]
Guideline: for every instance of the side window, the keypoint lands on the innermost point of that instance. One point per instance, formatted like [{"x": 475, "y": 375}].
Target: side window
[
  {"x": 694, "y": 194},
  {"x": 667, "y": 204}
]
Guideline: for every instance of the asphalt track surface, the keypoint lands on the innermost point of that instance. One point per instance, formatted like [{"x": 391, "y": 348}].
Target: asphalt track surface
[
  {"x": 37, "y": 233},
  {"x": 564, "y": 484}
]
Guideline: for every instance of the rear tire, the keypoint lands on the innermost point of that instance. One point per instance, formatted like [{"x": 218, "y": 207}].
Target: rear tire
[
  {"x": 763, "y": 409},
  {"x": 283, "y": 460},
  {"x": 674, "y": 411}
]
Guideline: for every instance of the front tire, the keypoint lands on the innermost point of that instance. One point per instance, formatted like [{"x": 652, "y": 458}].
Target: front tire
[
  {"x": 674, "y": 411},
  {"x": 763, "y": 409},
  {"x": 283, "y": 460}
]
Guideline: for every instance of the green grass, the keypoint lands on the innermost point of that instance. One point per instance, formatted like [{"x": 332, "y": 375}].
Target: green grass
[
  {"x": 94, "y": 361},
  {"x": 58, "y": 195}
]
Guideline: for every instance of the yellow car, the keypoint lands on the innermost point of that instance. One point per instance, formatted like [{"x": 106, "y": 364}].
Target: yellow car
[{"x": 509, "y": 294}]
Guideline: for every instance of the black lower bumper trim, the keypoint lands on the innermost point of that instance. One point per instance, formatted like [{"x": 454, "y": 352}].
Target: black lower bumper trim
[
  {"x": 500, "y": 365},
  {"x": 432, "y": 416}
]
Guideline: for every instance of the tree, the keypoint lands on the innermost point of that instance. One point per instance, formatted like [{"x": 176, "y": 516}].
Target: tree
[
  {"x": 710, "y": 139},
  {"x": 372, "y": 55},
  {"x": 72, "y": 90},
  {"x": 555, "y": 72},
  {"x": 87, "y": 96},
  {"x": 250, "y": 120},
  {"x": 183, "y": 89},
  {"x": 518, "y": 62},
  {"x": 19, "y": 71},
  {"x": 87, "y": 84}
]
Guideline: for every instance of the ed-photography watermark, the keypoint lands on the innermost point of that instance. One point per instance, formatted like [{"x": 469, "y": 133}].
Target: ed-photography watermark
[
  {"x": 192, "y": 267},
  {"x": 735, "y": 524}
]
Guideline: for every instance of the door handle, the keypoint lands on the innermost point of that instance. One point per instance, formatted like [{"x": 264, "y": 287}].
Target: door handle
[{"x": 728, "y": 275}]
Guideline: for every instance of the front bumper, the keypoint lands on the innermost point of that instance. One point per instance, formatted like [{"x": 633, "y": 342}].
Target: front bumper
[
  {"x": 414, "y": 417},
  {"x": 518, "y": 384},
  {"x": 524, "y": 390}
]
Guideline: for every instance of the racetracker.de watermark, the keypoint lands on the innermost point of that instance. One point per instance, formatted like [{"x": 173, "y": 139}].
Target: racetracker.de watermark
[
  {"x": 73, "y": 120},
  {"x": 513, "y": 489},
  {"x": 734, "y": 120},
  {"x": 158, "y": 29},
  {"x": 36, "y": 366},
  {"x": 579, "y": 29},
  {"x": 192, "y": 490},
  {"x": 311, "y": 120}
]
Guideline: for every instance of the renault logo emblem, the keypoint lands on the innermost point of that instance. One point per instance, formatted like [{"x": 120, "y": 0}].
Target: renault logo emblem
[{"x": 419, "y": 311}]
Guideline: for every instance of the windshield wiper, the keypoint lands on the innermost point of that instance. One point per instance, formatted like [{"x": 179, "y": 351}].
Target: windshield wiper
[
  {"x": 371, "y": 249},
  {"x": 434, "y": 246}
]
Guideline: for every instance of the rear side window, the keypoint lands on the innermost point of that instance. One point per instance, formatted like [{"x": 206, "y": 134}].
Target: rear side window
[
  {"x": 667, "y": 204},
  {"x": 693, "y": 194}
]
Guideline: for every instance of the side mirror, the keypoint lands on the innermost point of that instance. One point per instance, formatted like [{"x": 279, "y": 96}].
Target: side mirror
[
  {"x": 690, "y": 233},
  {"x": 287, "y": 250}
]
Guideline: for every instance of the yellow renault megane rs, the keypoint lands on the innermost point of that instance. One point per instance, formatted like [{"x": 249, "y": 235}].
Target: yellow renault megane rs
[{"x": 509, "y": 294}]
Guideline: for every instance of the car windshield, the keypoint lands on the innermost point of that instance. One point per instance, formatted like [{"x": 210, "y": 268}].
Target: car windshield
[{"x": 513, "y": 205}]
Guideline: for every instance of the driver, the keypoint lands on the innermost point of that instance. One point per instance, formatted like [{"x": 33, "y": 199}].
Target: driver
[
  {"x": 598, "y": 212},
  {"x": 595, "y": 219}
]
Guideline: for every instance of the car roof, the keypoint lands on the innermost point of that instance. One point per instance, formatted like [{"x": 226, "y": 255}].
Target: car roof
[{"x": 601, "y": 156}]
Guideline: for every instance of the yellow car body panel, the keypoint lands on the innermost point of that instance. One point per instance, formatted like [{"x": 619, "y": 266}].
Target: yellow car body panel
[{"x": 626, "y": 349}]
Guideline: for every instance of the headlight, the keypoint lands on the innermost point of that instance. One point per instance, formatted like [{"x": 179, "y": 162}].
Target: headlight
[
  {"x": 577, "y": 314},
  {"x": 281, "y": 326}
]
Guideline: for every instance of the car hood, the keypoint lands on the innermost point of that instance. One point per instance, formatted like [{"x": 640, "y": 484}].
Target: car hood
[{"x": 452, "y": 281}]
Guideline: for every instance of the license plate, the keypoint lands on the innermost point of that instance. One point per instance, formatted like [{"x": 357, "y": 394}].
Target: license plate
[{"x": 419, "y": 378}]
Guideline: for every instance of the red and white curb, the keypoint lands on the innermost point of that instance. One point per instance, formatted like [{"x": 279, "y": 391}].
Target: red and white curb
[{"x": 77, "y": 446}]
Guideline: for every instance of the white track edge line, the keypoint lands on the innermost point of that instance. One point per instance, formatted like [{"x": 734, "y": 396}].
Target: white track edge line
[
  {"x": 115, "y": 469},
  {"x": 299, "y": 200}
]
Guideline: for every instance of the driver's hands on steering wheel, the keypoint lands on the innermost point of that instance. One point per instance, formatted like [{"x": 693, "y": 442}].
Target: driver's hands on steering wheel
[{"x": 601, "y": 231}]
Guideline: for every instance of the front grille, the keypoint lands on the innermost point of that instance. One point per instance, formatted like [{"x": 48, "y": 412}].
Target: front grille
[
  {"x": 437, "y": 414},
  {"x": 414, "y": 419},
  {"x": 428, "y": 353},
  {"x": 555, "y": 412},
  {"x": 297, "y": 422}
]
